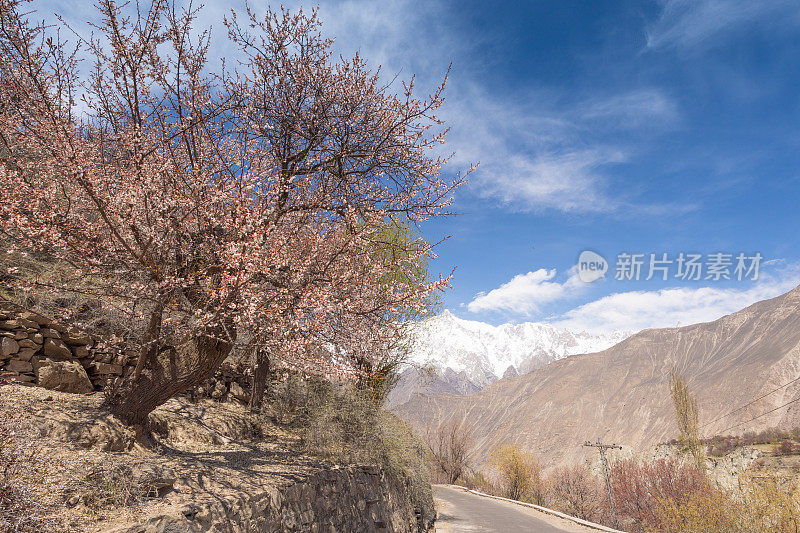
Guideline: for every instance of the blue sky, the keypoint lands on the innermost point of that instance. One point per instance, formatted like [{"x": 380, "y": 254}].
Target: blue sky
[{"x": 646, "y": 127}]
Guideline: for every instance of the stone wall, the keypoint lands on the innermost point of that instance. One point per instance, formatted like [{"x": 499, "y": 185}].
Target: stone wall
[
  {"x": 353, "y": 499},
  {"x": 37, "y": 350}
]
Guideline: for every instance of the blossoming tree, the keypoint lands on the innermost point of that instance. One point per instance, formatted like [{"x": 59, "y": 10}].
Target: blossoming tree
[{"x": 214, "y": 210}]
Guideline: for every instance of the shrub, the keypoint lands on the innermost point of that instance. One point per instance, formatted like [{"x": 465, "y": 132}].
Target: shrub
[
  {"x": 476, "y": 480},
  {"x": 639, "y": 489},
  {"x": 450, "y": 447},
  {"x": 769, "y": 503},
  {"x": 786, "y": 447},
  {"x": 338, "y": 422},
  {"x": 707, "y": 512},
  {"x": 520, "y": 474},
  {"x": 758, "y": 504},
  {"x": 114, "y": 486},
  {"x": 575, "y": 491}
]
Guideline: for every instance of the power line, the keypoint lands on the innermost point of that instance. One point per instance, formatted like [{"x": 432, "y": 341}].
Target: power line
[
  {"x": 749, "y": 403},
  {"x": 762, "y": 414}
]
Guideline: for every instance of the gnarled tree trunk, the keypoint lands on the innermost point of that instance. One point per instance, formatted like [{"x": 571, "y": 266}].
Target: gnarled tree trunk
[{"x": 170, "y": 372}]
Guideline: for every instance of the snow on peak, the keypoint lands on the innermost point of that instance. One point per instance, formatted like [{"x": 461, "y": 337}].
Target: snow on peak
[{"x": 485, "y": 352}]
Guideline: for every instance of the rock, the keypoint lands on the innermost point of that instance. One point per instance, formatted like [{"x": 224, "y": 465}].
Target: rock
[
  {"x": 20, "y": 334},
  {"x": 238, "y": 393},
  {"x": 61, "y": 328},
  {"x": 37, "y": 338},
  {"x": 75, "y": 337},
  {"x": 28, "y": 343},
  {"x": 64, "y": 376},
  {"x": 33, "y": 317},
  {"x": 25, "y": 323},
  {"x": 156, "y": 481},
  {"x": 105, "y": 368},
  {"x": 219, "y": 390},
  {"x": 8, "y": 346},
  {"x": 48, "y": 333},
  {"x": 80, "y": 351},
  {"x": 55, "y": 348},
  {"x": 15, "y": 365},
  {"x": 25, "y": 354}
]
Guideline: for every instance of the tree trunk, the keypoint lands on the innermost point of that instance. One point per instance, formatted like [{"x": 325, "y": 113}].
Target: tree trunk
[
  {"x": 260, "y": 379},
  {"x": 171, "y": 372}
]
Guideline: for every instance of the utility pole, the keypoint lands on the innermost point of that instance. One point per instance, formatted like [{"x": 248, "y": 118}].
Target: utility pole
[{"x": 604, "y": 461}]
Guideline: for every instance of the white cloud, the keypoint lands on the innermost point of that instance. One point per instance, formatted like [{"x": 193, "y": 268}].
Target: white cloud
[
  {"x": 691, "y": 23},
  {"x": 525, "y": 293},
  {"x": 637, "y": 310}
]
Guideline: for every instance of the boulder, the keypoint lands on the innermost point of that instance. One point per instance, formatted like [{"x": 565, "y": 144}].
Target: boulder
[
  {"x": 25, "y": 323},
  {"x": 30, "y": 315},
  {"x": 8, "y": 346},
  {"x": 105, "y": 368},
  {"x": 56, "y": 348},
  {"x": 28, "y": 343},
  {"x": 64, "y": 376},
  {"x": 219, "y": 390},
  {"x": 238, "y": 393}
]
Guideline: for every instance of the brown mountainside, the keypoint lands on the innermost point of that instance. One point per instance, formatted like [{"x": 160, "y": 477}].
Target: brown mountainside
[{"x": 621, "y": 394}]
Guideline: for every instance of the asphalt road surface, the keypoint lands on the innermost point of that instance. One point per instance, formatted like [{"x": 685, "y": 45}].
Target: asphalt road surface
[{"x": 463, "y": 511}]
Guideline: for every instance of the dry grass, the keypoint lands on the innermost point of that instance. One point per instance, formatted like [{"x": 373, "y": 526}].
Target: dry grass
[
  {"x": 91, "y": 473},
  {"x": 344, "y": 425}
]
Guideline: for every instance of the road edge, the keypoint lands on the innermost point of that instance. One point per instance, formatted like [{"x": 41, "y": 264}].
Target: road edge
[{"x": 575, "y": 519}]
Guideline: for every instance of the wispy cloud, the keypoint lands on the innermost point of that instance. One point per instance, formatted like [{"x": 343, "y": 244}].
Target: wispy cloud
[
  {"x": 629, "y": 110},
  {"x": 526, "y": 293},
  {"x": 538, "y": 150},
  {"x": 691, "y": 23},
  {"x": 543, "y": 154}
]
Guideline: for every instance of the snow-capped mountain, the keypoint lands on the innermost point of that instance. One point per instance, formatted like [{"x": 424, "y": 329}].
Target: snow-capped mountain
[{"x": 469, "y": 355}]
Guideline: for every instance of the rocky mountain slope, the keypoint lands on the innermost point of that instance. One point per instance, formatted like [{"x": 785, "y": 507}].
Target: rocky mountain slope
[
  {"x": 621, "y": 394},
  {"x": 466, "y": 355}
]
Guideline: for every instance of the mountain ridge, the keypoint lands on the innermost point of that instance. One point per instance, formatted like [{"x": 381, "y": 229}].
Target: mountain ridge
[
  {"x": 621, "y": 393},
  {"x": 464, "y": 356}
]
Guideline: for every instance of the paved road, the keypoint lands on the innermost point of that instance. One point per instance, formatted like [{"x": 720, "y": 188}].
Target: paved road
[{"x": 463, "y": 511}]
